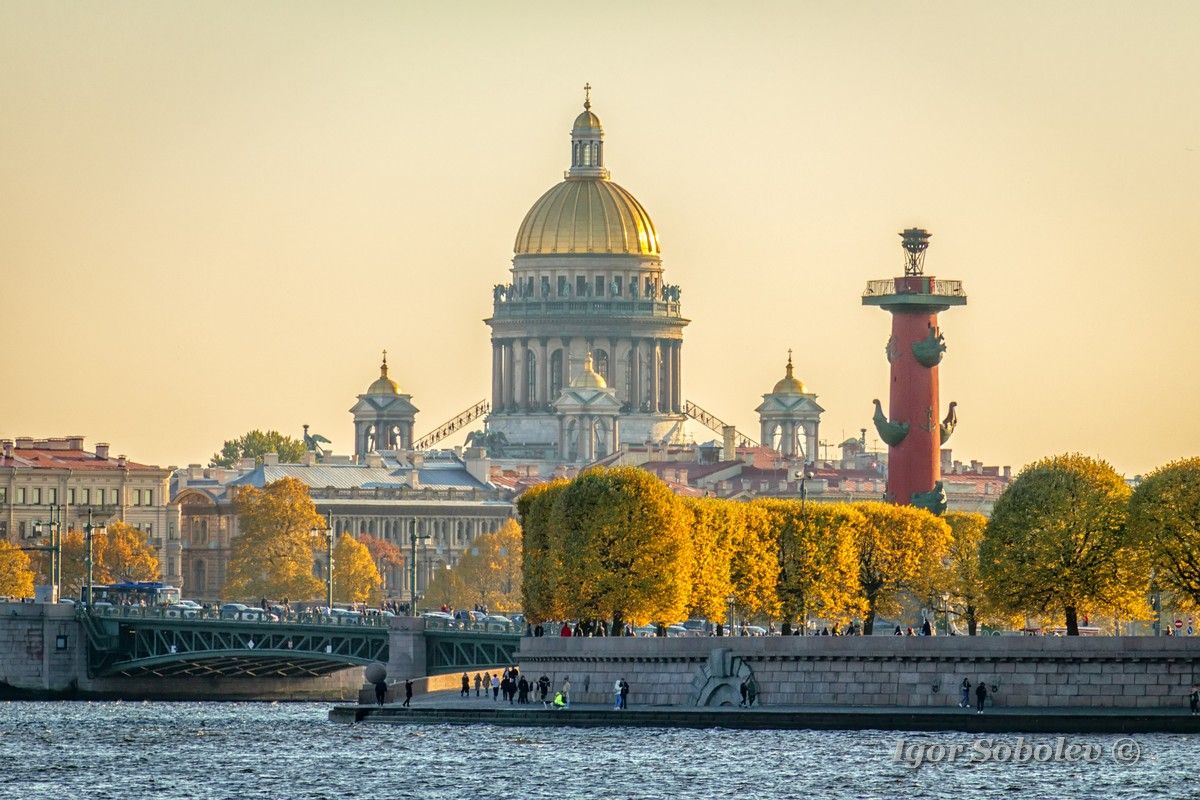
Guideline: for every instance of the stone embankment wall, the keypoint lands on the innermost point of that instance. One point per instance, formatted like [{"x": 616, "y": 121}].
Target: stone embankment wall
[
  {"x": 43, "y": 654},
  {"x": 1085, "y": 672}
]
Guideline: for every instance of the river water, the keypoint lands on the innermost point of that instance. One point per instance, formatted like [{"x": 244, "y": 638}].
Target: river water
[{"x": 134, "y": 750}]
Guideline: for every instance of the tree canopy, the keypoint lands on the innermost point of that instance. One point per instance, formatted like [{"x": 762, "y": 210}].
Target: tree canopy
[
  {"x": 715, "y": 526},
  {"x": 1057, "y": 541},
  {"x": 488, "y": 574},
  {"x": 356, "y": 579},
  {"x": 16, "y": 577},
  {"x": 1164, "y": 516},
  {"x": 126, "y": 554},
  {"x": 961, "y": 580},
  {"x": 272, "y": 556},
  {"x": 537, "y": 508},
  {"x": 256, "y": 444}
]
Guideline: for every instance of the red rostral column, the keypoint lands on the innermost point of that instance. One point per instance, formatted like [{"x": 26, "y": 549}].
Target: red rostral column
[{"x": 911, "y": 429}]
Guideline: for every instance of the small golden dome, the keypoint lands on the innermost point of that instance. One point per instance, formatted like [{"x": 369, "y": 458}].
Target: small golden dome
[
  {"x": 587, "y": 121},
  {"x": 790, "y": 384},
  {"x": 589, "y": 378},
  {"x": 383, "y": 384},
  {"x": 587, "y": 215}
]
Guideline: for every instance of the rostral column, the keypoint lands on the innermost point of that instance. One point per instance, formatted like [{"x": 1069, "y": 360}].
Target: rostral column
[{"x": 911, "y": 428}]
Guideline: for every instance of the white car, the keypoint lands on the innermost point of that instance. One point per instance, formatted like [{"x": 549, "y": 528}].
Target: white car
[{"x": 192, "y": 604}]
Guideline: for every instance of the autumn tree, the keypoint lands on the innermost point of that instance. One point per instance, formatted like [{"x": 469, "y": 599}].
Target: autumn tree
[
  {"x": 16, "y": 577},
  {"x": 900, "y": 549},
  {"x": 715, "y": 526},
  {"x": 126, "y": 554},
  {"x": 356, "y": 579},
  {"x": 1164, "y": 517},
  {"x": 540, "y": 545},
  {"x": 818, "y": 559},
  {"x": 488, "y": 574},
  {"x": 384, "y": 553},
  {"x": 256, "y": 444},
  {"x": 273, "y": 554},
  {"x": 625, "y": 550},
  {"x": 1057, "y": 540},
  {"x": 960, "y": 580},
  {"x": 74, "y": 562},
  {"x": 754, "y": 563}
]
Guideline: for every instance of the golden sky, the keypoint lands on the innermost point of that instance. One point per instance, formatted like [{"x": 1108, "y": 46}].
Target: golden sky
[{"x": 213, "y": 216}]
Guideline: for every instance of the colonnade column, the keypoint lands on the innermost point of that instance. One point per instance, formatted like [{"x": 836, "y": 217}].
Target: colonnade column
[
  {"x": 497, "y": 375},
  {"x": 654, "y": 375},
  {"x": 518, "y": 373},
  {"x": 544, "y": 374},
  {"x": 635, "y": 376},
  {"x": 677, "y": 389}
]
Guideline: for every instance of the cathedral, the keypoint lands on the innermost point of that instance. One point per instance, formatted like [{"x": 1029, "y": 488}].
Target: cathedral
[{"x": 587, "y": 336}]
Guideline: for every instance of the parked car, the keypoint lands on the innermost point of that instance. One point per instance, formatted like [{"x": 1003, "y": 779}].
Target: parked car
[
  {"x": 231, "y": 610},
  {"x": 343, "y": 616},
  {"x": 189, "y": 604}
]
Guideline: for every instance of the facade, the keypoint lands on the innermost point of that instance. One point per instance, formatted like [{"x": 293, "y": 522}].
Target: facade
[
  {"x": 587, "y": 277},
  {"x": 38, "y": 475},
  {"x": 442, "y": 498}
]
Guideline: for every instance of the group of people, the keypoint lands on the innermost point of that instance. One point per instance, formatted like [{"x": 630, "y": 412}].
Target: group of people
[
  {"x": 926, "y": 630},
  {"x": 515, "y": 687},
  {"x": 981, "y": 694}
]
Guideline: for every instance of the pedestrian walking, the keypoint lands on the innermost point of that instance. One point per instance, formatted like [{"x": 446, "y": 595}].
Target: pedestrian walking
[
  {"x": 495, "y": 688},
  {"x": 380, "y": 691},
  {"x": 566, "y": 692},
  {"x": 616, "y": 694},
  {"x": 1194, "y": 699},
  {"x": 543, "y": 689},
  {"x": 478, "y": 683},
  {"x": 407, "y": 692},
  {"x": 466, "y": 686},
  {"x": 751, "y": 691},
  {"x": 965, "y": 700},
  {"x": 624, "y": 694},
  {"x": 980, "y": 697},
  {"x": 744, "y": 690},
  {"x": 523, "y": 691}
]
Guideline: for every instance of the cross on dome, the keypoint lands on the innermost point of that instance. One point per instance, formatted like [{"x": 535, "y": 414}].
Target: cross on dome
[{"x": 587, "y": 95}]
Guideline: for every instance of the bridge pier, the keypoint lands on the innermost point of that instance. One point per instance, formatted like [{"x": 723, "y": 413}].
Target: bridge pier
[{"x": 406, "y": 648}]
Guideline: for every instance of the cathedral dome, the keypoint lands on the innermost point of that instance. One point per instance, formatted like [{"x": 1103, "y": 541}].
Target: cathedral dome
[
  {"x": 383, "y": 384},
  {"x": 589, "y": 378},
  {"x": 587, "y": 213},
  {"x": 789, "y": 384}
]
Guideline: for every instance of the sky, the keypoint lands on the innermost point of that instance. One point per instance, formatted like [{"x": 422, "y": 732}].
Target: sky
[{"x": 215, "y": 215}]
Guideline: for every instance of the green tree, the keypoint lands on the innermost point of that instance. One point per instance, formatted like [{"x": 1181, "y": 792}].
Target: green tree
[
  {"x": 541, "y": 535},
  {"x": 625, "y": 549},
  {"x": 126, "y": 554},
  {"x": 1164, "y": 516},
  {"x": 1057, "y": 540},
  {"x": 355, "y": 576},
  {"x": 16, "y": 577},
  {"x": 961, "y": 580},
  {"x": 818, "y": 559},
  {"x": 900, "y": 549},
  {"x": 715, "y": 526},
  {"x": 272, "y": 556},
  {"x": 256, "y": 444}
]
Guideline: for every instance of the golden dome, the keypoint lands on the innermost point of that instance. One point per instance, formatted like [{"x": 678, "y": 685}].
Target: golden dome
[
  {"x": 589, "y": 378},
  {"x": 586, "y": 120},
  {"x": 383, "y": 384},
  {"x": 587, "y": 215},
  {"x": 790, "y": 384}
]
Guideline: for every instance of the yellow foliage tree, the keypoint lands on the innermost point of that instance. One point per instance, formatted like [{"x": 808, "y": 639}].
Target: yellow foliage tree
[
  {"x": 272, "y": 556},
  {"x": 355, "y": 576},
  {"x": 900, "y": 549},
  {"x": 1164, "y": 517},
  {"x": 818, "y": 559},
  {"x": 754, "y": 565},
  {"x": 488, "y": 574},
  {"x": 715, "y": 526},
  {"x": 126, "y": 554},
  {"x": 961, "y": 580},
  {"x": 16, "y": 578},
  {"x": 540, "y": 529},
  {"x": 1057, "y": 540},
  {"x": 74, "y": 563},
  {"x": 625, "y": 549}
]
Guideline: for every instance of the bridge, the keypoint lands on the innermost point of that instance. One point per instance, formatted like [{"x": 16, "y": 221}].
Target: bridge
[{"x": 132, "y": 641}]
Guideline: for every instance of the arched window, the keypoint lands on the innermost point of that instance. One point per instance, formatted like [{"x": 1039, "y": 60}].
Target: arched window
[
  {"x": 600, "y": 363},
  {"x": 556, "y": 370},
  {"x": 199, "y": 579}
]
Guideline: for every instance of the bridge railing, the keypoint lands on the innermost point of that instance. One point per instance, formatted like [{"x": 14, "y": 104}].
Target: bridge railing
[
  {"x": 459, "y": 626},
  {"x": 253, "y": 615}
]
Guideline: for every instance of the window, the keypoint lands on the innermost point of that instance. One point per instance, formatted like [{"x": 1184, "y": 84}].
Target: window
[
  {"x": 563, "y": 286},
  {"x": 137, "y": 497},
  {"x": 149, "y": 529},
  {"x": 599, "y": 286},
  {"x": 21, "y": 496},
  {"x": 581, "y": 285},
  {"x": 84, "y": 497},
  {"x": 35, "y": 496},
  {"x": 617, "y": 281},
  {"x": 112, "y": 497},
  {"x": 52, "y": 497},
  {"x": 70, "y": 497},
  {"x": 545, "y": 286},
  {"x": 3, "y": 494}
]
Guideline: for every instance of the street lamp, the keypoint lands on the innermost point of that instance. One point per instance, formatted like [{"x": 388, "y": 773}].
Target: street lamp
[
  {"x": 729, "y": 601},
  {"x": 328, "y": 531},
  {"x": 54, "y": 528},
  {"x": 412, "y": 570},
  {"x": 88, "y": 530}
]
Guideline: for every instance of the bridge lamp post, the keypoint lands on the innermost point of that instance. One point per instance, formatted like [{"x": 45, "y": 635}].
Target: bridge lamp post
[
  {"x": 328, "y": 531},
  {"x": 88, "y": 559},
  {"x": 54, "y": 528},
  {"x": 412, "y": 570}
]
